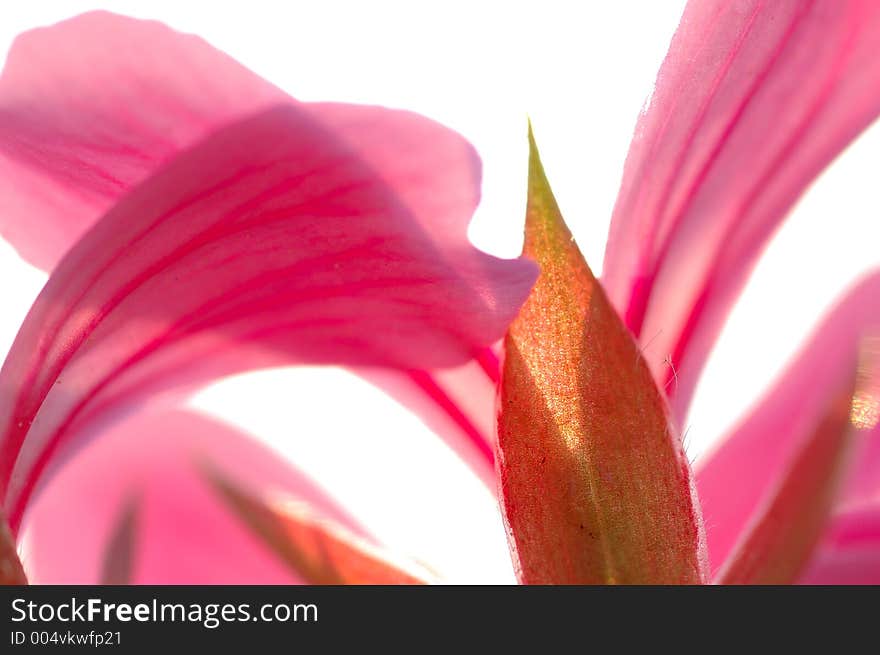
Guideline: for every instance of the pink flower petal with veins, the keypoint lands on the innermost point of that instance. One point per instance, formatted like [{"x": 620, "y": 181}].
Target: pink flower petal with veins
[
  {"x": 270, "y": 239},
  {"x": 93, "y": 105},
  {"x": 182, "y": 532},
  {"x": 734, "y": 481},
  {"x": 752, "y": 101},
  {"x": 97, "y": 103}
]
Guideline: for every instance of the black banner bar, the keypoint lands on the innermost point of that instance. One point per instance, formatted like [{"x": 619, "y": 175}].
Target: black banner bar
[{"x": 196, "y": 619}]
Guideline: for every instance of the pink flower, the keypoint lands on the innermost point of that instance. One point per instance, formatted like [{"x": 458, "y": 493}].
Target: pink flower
[{"x": 197, "y": 221}]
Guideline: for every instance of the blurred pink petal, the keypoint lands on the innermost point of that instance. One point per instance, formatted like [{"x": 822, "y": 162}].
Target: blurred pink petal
[
  {"x": 782, "y": 535},
  {"x": 183, "y": 533},
  {"x": 269, "y": 241},
  {"x": 735, "y": 480},
  {"x": 851, "y": 551},
  {"x": 862, "y": 488},
  {"x": 120, "y": 548},
  {"x": 752, "y": 101}
]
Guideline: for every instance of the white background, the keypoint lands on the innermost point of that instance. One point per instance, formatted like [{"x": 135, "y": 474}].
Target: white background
[{"x": 581, "y": 71}]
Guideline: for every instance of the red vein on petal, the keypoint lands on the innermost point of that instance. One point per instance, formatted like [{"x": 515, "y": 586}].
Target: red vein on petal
[
  {"x": 433, "y": 390},
  {"x": 489, "y": 363}
]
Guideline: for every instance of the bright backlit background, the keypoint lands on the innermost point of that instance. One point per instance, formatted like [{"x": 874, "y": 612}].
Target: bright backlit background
[{"x": 581, "y": 71}]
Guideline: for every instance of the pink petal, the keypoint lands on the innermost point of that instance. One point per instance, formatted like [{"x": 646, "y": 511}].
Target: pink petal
[
  {"x": 735, "y": 480},
  {"x": 84, "y": 116},
  {"x": 752, "y": 101},
  {"x": 851, "y": 552},
  {"x": 269, "y": 242},
  {"x": 183, "y": 534},
  {"x": 92, "y": 106}
]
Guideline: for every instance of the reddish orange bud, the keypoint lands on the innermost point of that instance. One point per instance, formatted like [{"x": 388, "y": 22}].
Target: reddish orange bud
[{"x": 595, "y": 486}]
